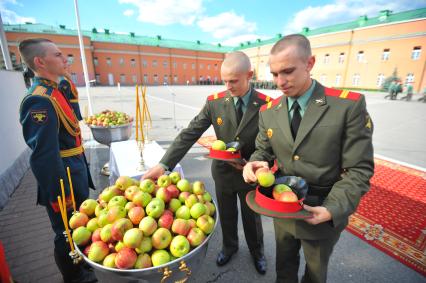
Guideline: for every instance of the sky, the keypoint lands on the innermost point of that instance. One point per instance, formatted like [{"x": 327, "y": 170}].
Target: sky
[{"x": 228, "y": 22}]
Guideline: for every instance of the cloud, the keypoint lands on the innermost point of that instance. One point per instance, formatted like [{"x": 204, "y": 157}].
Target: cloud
[
  {"x": 11, "y": 17},
  {"x": 129, "y": 12},
  {"x": 343, "y": 11},
  {"x": 226, "y": 25},
  {"x": 167, "y": 12}
]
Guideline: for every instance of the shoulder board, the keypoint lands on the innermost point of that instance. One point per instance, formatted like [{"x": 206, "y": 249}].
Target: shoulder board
[
  {"x": 345, "y": 94},
  {"x": 264, "y": 97},
  {"x": 216, "y": 95},
  {"x": 271, "y": 104}
]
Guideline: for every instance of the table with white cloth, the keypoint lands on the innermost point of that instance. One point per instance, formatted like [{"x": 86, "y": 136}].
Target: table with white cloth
[{"x": 124, "y": 159}]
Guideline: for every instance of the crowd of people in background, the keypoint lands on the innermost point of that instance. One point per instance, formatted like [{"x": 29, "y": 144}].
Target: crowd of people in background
[{"x": 396, "y": 87}]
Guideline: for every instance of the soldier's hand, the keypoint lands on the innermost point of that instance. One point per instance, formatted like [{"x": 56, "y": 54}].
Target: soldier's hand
[
  {"x": 154, "y": 172},
  {"x": 320, "y": 214},
  {"x": 250, "y": 168}
]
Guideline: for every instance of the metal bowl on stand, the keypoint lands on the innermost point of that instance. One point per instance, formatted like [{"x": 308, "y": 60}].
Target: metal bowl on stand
[
  {"x": 173, "y": 271},
  {"x": 107, "y": 135}
]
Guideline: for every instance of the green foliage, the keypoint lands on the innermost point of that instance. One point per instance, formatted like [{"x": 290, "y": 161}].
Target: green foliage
[{"x": 388, "y": 80}]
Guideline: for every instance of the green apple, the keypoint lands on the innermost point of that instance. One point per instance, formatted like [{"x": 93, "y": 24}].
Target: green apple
[
  {"x": 148, "y": 225},
  {"x": 132, "y": 238},
  {"x": 98, "y": 251},
  {"x": 183, "y": 196},
  {"x": 81, "y": 236},
  {"x": 183, "y": 212},
  {"x": 179, "y": 246},
  {"x": 211, "y": 209},
  {"x": 218, "y": 145},
  {"x": 102, "y": 218},
  {"x": 206, "y": 223},
  {"x": 117, "y": 201},
  {"x": 92, "y": 225},
  {"x": 198, "y": 188},
  {"x": 142, "y": 198},
  {"x": 174, "y": 204},
  {"x": 109, "y": 260},
  {"x": 195, "y": 237},
  {"x": 191, "y": 200},
  {"x": 106, "y": 233},
  {"x": 174, "y": 177},
  {"x": 160, "y": 257},
  {"x": 147, "y": 185},
  {"x": 231, "y": 149},
  {"x": 163, "y": 181},
  {"x": 118, "y": 246},
  {"x": 197, "y": 210},
  {"x": 155, "y": 208},
  {"x": 88, "y": 207},
  {"x": 207, "y": 196},
  {"x": 143, "y": 261},
  {"x": 161, "y": 238},
  {"x": 145, "y": 246},
  {"x": 265, "y": 178},
  {"x": 184, "y": 185}
]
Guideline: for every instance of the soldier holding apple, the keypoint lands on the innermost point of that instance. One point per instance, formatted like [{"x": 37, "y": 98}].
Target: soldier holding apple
[
  {"x": 324, "y": 136},
  {"x": 222, "y": 111}
]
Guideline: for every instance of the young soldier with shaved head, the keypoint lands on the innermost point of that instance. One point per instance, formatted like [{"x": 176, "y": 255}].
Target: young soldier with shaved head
[
  {"x": 50, "y": 128},
  {"x": 234, "y": 116},
  {"x": 323, "y": 135}
]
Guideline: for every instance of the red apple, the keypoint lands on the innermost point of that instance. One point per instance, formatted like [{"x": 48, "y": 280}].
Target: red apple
[
  {"x": 136, "y": 214},
  {"x": 96, "y": 235},
  {"x": 132, "y": 238},
  {"x": 78, "y": 219},
  {"x": 120, "y": 227},
  {"x": 98, "y": 251},
  {"x": 161, "y": 238},
  {"x": 165, "y": 220},
  {"x": 286, "y": 197},
  {"x": 195, "y": 237},
  {"x": 181, "y": 226},
  {"x": 163, "y": 194},
  {"x": 126, "y": 258},
  {"x": 173, "y": 190}
]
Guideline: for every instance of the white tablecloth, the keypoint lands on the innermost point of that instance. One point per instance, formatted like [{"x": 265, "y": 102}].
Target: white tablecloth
[{"x": 124, "y": 159}]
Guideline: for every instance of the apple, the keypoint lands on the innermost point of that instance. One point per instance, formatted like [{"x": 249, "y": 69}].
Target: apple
[
  {"x": 98, "y": 251},
  {"x": 155, "y": 207},
  {"x": 191, "y": 200},
  {"x": 163, "y": 194},
  {"x": 103, "y": 218},
  {"x": 184, "y": 185},
  {"x": 81, "y": 236},
  {"x": 96, "y": 235},
  {"x": 109, "y": 260},
  {"x": 192, "y": 223},
  {"x": 143, "y": 261},
  {"x": 142, "y": 198},
  {"x": 181, "y": 226},
  {"x": 211, "y": 209},
  {"x": 106, "y": 235},
  {"x": 126, "y": 258},
  {"x": 207, "y": 196},
  {"x": 179, "y": 246},
  {"x": 286, "y": 197},
  {"x": 218, "y": 145},
  {"x": 148, "y": 225},
  {"x": 183, "y": 212},
  {"x": 132, "y": 238},
  {"x": 231, "y": 149},
  {"x": 129, "y": 206},
  {"x": 123, "y": 182},
  {"x": 147, "y": 185},
  {"x": 78, "y": 219},
  {"x": 183, "y": 196},
  {"x": 136, "y": 214},
  {"x": 200, "y": 198},
  {"x": 161, "y": 238},
  {"x": 195, "y": 237},
  {"x": 206, "y": 223},
  {"x": 120, "y": 227},
  {"x": 116, "y": 212},
  {"x": 108, "y": 193},
  {"x": 173, "y": 190},
  {"x": 168, "y": 212},
  {"x": 197, "y": 210},
  {"x": 99, "y": 208},
  {"x": 174, "y": 204},
  {"x": 118, "y": 246},
  {"x": 198, "y": 188},
  {"x": 164, "y": 181},
  {"x": 165, "y": 220},
  {"x": 92, "y": 224},
  {"x": 265, "y": 177},
  {"x": 86, "y": 250},
  {"x": 88, "y": 207},
  {"x": 145, "y": 246},
  {"x": 278, "y": 189},
  {"x": 174, "y": 177},
  {"x": 130, "y": 192},
  {"x": 160, "y": 257},
  {"x": 117, "y": 201}
]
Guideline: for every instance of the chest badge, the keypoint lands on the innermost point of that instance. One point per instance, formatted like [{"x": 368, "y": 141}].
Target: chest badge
[
  {"x": 227, "y": 99},
  {"x": 39, "y": 116},
  {"x": 219, "y": 121},
  {"x": 269, "y": 133}
]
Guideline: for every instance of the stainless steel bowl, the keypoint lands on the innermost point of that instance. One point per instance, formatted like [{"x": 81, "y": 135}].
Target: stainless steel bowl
[
  {"x": 175, "y": 270},
  {"x": 107, "y": 135}
]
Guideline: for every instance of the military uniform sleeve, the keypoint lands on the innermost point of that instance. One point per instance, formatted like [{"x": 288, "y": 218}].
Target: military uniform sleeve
[
  {"x": 263, "y": 150},
  {"x": 40, "y": 129},
  {"x": 187, "y": 137},
  {"x": 357, "y": 163}
]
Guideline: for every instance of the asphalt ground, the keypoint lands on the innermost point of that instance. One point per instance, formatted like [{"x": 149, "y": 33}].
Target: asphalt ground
[{"x": 399, "y": 134}]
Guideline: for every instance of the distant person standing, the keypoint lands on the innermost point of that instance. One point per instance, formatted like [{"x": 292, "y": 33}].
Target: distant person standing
[
  {"x": 391, "y": 89},
  {"x": 397, "y": 90},
  {"x": 409, "y": 92}
]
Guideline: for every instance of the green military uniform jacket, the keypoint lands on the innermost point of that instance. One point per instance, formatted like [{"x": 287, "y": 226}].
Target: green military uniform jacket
[
  {"x": 219, "y": 111},
  {"x": 333, "y": 152}
]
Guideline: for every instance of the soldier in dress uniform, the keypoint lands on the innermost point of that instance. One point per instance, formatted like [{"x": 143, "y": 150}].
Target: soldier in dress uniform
[
  {"x": 51, "y": 129},
  {"x": 67, "y": 87},
  {"x": 234, "y": 116},
  {"x": 323, "y": 135}
]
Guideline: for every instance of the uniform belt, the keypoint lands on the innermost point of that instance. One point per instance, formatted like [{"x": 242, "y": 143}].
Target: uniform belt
[{"x": 72, "y": 151}]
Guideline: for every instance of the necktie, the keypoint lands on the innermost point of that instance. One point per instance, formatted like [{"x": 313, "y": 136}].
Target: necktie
[
  {"x": 295, "y": 121},
  {"x": 239, "y": 110}
]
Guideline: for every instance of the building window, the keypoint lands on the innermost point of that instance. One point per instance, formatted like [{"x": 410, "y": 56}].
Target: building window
[
  {"x": 201, "y": 66},
  {"x": 145, "y": 79},
  {"x": 165, "y": 79},
  {"x": 132, "y": 62},
  {"x": 74, "y": 78},
  {"x": 356, "y": 79},
  {"x": 95, "y": 61},
  {"x": 360, "y": 56},
  {"x": 174, "y": 65},
  {"x": 98, "y": 78},
  {"x": 193, "y": 66},
  {"x": 155, "y": 79},
  {"x": 385, "y": 54},
  {"x": 215, "y": 67},
  {"x": 70, "y": 59},
  {"x": 415, "y": 54},
  {"x": 175, "y": 79},
  {"x": 154, "y": 63},
  {"x": 184, "y": 66},
  {"x": 208, "y": 67},
  {"x": 380, "y": 80},
  {"x": 121, "y": 61},
  {"x": 144, "y": 63},
  {"x": 409, "y": 78},
  {"x": 123, "y": 78},
  {"x": 341, "y": 58},
  {"x": 134, "y": 79},
  {"x": 338, "y": 80},
  {"x": 326, "y": 58},
  {"x": 323, "y": 79},
  {"x": 165, "y": 64},
  {"x": 109, "y": 61}
]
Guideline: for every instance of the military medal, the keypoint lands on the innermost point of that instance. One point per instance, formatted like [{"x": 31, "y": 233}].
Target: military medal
[
  {"x": 219, "y": 121},
  {"x": 269, "y": 133}
]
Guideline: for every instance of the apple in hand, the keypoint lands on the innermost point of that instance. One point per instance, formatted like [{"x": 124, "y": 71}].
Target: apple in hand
[
  {"x": 164, "y": 181},
  {"x": 265, "y": 178},
  {"x": 174, "y": 177},
  {"x": 179, "y": 246},
  {"x": 218, "y": 145}
]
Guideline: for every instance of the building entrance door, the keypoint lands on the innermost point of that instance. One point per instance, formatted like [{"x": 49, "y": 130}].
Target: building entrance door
[{"x": 110, "y": 79}]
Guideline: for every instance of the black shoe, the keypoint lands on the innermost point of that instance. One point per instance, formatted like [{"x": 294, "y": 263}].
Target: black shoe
[
  {"x": 260, "y": 264},
  {"x": 223, "y": 258}
]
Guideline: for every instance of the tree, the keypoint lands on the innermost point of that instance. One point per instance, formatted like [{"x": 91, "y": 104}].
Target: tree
[{"x": 388, "y": 80}]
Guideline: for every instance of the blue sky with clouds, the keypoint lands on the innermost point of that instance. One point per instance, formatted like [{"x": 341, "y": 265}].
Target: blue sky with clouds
[{"x": 228, "y": 22}]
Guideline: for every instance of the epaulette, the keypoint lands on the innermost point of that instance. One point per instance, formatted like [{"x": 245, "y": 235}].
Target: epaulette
[
  {"x": 345, "y": 94},
  {"x": 270, "y": 104},
  {"x": 216, "y": 95},
  {"x": 264, "y": 97}
]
